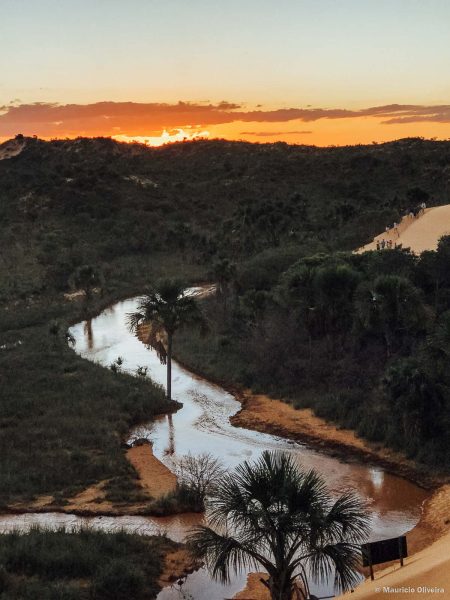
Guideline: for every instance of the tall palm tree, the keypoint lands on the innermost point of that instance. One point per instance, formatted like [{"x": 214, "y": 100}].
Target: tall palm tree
[
  {"x": 165, "y": 309},
  {"x": 390, "y": 306},
  {"x": 274, "y": 515},
  {"x": 418, "y": 399}
]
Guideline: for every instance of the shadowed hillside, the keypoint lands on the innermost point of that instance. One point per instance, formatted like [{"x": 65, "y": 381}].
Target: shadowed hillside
[
  {"x": 292, "y": 316},
  {"x": 63, "y": 203}
]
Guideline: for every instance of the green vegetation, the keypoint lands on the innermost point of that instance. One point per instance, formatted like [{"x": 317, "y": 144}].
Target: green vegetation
[
  {"x": 63, "y": 419},
  {"x": 271, "y": 514},
  {"x": 80, "y": 565},
  {"x": 363, "y": 339},
  {"x": 93, "y": 213},
  {"x": 117, "y": 207},
  {"x": 164, "y": 310},
  {"x": 196, "y": 478}
]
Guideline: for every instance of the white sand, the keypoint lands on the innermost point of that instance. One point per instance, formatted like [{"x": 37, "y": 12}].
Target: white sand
[
  {"x": 419, "y": 234},
  {"x": 427, "y": 569}
]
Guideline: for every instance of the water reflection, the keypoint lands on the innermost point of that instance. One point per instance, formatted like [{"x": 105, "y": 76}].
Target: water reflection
[
  {"x": 89, "y": 334},
  {"x": 377, "y": 477},
  {"x": 171, "y": 447},
  {"x": 203, "y": 425}
]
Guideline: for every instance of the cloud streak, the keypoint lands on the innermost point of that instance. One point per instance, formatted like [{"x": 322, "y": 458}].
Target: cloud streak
[
  {"x": 276, "y": 133},
  {"x": 149, "y": 119}
]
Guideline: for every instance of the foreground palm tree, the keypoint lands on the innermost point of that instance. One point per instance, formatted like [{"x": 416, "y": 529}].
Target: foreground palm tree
[
  {"x": 165, "y": 309},
  {"x": 271, "y": 514}
]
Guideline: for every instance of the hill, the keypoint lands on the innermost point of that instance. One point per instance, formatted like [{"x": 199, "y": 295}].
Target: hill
[
  {"x": 63, "y": 203},
  {"x": 274, "y": 225}
]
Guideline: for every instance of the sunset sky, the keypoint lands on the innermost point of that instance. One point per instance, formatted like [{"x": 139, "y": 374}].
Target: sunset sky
[{"x": 302, "y": 71}]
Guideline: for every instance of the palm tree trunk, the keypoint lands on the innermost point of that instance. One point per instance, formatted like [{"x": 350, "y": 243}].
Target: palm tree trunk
[
  {"x": 169, "y": 365},
  {"x": 280, "y": 588}
]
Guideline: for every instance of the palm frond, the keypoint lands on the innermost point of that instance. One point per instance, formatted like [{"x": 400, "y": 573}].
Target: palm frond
[
  {"x": 348, "y": 517},
  {"x": 135, "y": 319},
  {"x": 281, "y": 517},
  {"x": 341, "y": 558},
  {"x": 222, "y": 553}
]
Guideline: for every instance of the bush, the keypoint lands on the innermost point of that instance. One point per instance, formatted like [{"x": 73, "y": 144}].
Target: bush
[
  {"x": 4, "y": 579},
  {"x": 118, "y": 580},
  {"x": 77, "y": 565},
  {"x": 197, "y": 476}
]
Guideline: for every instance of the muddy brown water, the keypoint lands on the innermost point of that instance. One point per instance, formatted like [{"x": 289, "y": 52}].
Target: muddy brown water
[{"x": 202, "y": 425}]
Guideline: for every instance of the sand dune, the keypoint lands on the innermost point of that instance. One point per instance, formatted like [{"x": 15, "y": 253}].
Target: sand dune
[
  {"x": 420, "y": 233},
  {"x": 427, "y": 571},
  {"x": 11, "y": 148},
  {"x": 425, "y": 575}
]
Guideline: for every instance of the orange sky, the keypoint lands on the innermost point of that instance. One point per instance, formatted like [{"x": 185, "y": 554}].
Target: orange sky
[
  {"x": 340, "y": 132},
  {"x": 158, "y": 123},
  {"x": 319, "y": 72}
]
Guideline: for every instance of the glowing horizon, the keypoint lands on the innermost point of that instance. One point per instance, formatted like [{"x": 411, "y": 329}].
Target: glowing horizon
[
  {"x": 166, "y": 137},
  {"x": 156, "y": 124},
  {"x": 136, "y": 61}
]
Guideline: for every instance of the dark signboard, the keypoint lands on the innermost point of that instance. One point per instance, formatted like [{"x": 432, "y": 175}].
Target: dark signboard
[{"x": 384, "y": 551}]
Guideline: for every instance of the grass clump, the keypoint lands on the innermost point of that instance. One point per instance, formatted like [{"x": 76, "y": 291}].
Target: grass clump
[
  {"x": 80, "y": 565},
  {"x": 63, "y": 419}
]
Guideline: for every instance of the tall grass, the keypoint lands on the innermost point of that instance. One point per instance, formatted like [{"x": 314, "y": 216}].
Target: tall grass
[
  {"x": 63, "y": 420},
  {"x": 80, "y": 564}
]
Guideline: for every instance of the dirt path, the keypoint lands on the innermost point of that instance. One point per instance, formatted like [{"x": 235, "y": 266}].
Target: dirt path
[{"x": 419, "y": 234}]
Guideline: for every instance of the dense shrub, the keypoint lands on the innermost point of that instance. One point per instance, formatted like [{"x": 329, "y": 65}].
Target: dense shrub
[
  {"x": 118, "y": 581},
  {"x": 363, "y": 339},
  {"x": 80, "y": 565}
]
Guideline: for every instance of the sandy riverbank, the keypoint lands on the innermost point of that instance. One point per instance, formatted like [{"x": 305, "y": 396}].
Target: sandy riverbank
[
  {"x": 155, "y": 479},
  {"x": 427, "y": 569},
  {"x": 264, "y": 414},
  {"x": 254, "y": 590},
  {"x": 177, "y": 565},
  {"x": 427, "y": 566}
]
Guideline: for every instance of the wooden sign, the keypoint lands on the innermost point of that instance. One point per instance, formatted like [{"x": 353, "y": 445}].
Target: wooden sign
[{"x": 384, "y": 551}]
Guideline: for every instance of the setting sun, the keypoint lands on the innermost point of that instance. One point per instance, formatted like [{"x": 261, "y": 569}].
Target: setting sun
[{"x": 166, "y": 137}]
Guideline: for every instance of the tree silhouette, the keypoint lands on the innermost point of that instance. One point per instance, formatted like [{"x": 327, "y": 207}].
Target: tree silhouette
[
  {"x": 164, "y": 310},
  {"x": 416, "y": 397},
  {"x": 390, "y": 306},
  {"x": 271, "y": 514}
]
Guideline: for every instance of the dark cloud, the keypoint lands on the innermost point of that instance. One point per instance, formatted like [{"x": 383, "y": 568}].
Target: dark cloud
[
  {"x": 270, "y": 133},
  {"x": 132, "y": 118},
  {"x": 109, "y": 118}
]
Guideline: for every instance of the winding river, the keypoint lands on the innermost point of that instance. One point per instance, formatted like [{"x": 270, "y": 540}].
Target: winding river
[{"x": 202, "y": 425}]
